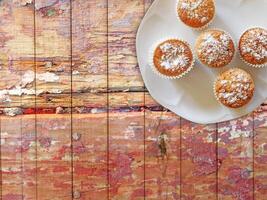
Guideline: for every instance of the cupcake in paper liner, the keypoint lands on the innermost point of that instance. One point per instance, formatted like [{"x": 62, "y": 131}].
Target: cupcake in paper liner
[
  {"x": 196, "y": 14},
  {"x": 215, "y": 48},
  {"x": 171, "y": 58},
  {"x": 234, "y": 88},
  {"x": 253, "y": 47}
]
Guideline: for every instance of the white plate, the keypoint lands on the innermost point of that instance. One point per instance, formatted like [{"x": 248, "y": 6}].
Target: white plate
[{"x": 192, "y": 96}]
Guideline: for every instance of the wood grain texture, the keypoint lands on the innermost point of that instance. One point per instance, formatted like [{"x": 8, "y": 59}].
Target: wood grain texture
[
  {"x": 260, "y": 154},
  {"x": 235, "y": 156},
  {"x": 90, "y": 155},
  {"x": 89, "y": 95},
  {"x": 78, "y": 123},
  {"x": 11, "y": 162},
  {"x": 126, "y": 132},
  {"x": 53, "y": 45},
  {"x": 122, "y": 27},
  {"x": 162, "y": 155},
  {"x": 17, "y": 30},
  {"x": 126, "y": 155},
  {"x": 199, "y": 162},
  {"x": 16, "y": 57}
]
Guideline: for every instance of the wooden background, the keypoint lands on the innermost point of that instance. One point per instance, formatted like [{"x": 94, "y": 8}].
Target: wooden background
[{"x": 78, "y": 123}]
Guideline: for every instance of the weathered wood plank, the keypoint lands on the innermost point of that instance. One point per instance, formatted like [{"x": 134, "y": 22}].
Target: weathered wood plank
[
  {"x": 12, "y": 180},
  {"x": 54, "y": 138},
  {"x": 16, "y": 86},
  {"x": 18, "y": 157},
  {"x": 54, "y": 156},
  {"x": 162, "y": 155},
  {"x": 16, "y": 46},
  {"x": 11, "y": 158},
  {"x": 199, "y": 164},
  {"x": 52, "y": 29},
  {"x": 126, "y": 133},
  {"x": 79, "y": 100},
  {"x": 126, "y": 155},
  {"x": 90, "y": 154},
  {"x": 89, "y": 43},
  {"x": 53, "y": 45},
  {"x": 89, "y": 92},
  {"x": 18, "y": 180},
  {"x": 28, "y": 151},
  {"x": 260, "y": 154},
  {"x": 122, "y": 26},
  {"x": 16, "y": 30},
  {"x": 235, "y": 155},
  {"x": 54, "y": 180}
]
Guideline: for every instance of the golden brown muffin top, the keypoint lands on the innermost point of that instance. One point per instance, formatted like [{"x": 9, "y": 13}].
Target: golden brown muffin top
[
  {"x": 196, "y": 13},
  {"x": 215, "y": 48},
  {"x": 234, "y": 88},
  {"x": 173, "y": 57},
  {"x": 253, "y": 46}
]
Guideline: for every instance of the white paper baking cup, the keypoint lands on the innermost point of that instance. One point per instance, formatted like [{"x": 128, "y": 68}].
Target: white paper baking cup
[
  {"x": 155, "y": 70},
  {"x": 235, "y": 48},
  {"x": 239, "y": 51},
  {"x": 214, "y": 90},
  {"x": 199, "y": 28}
]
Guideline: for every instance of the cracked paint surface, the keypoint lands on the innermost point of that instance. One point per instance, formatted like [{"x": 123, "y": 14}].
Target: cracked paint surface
[{"x": 122, "y": 145}]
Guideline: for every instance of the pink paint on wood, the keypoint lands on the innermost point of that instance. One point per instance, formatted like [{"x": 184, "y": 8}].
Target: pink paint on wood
[
  {"x": 198, "y": 165},
  {"x": 162, "y": 155},
  {"x": 235, "y": 154},
  {"x": 90, "y": 155},
  {"x": 54, "y": 180},
  {"x": 122, "y": 27},
  {"x": 126, "y": 156},
  {"x": 260, "y": 154}
]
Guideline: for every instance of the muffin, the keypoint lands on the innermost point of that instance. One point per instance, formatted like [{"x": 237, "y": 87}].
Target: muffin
[
  {"x": 197, "y": 14},
  {"x": 234, "y": 88},
  {"x": 172, "y": 58},
  {"x": 215, "y": 48},
  {"x": 253, "y": 47}
]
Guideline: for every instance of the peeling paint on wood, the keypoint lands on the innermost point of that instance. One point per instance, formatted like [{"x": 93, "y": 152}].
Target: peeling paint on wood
[
  {"x": 162, "y": 155},
  {"x": 235, "y": 154},
  {"x": 199, "y": 162},
  {"x": 126, "y": 156},
  {"x": 260, "y": 154}
]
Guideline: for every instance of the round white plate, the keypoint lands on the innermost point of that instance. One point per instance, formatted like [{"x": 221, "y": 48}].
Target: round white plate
[{"x": 192, "y": 96}]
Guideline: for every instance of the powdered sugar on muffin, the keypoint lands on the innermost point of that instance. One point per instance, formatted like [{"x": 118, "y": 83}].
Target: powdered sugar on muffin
[
  {"x": 234, "y": 88},
  {"x": 196, "y": 13},
  {"x": 215, "y": 48},
  {"x": 172, "y": 58},
  {"x": 253, "y": 46}
]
